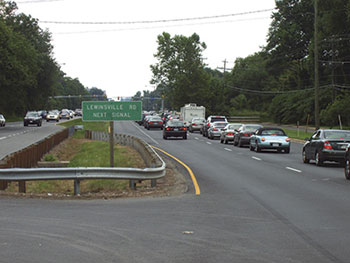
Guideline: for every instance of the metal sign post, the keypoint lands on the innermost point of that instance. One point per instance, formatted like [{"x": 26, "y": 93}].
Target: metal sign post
[{"x": 112, "y": 111}]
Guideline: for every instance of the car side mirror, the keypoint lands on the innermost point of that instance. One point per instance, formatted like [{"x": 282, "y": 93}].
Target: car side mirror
[{"x": 307, "y": 139}]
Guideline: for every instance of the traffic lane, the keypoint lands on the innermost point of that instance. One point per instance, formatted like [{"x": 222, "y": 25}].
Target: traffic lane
[
  {"x": 19, "y": 137},
  {"x": 179, "y": 229},
  {"x": 284, "y": 193}
]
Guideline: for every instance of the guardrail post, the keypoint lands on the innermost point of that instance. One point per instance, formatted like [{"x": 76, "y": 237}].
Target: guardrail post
[
  {"x": 132, "y": 184},
  {"x": 76, "y": 187},
  {"x": 22, "y": 186},
  {"x": 153, "y": 182}
]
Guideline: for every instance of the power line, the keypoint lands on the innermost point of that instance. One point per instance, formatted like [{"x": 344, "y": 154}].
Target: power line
[
  {"x": 154, "y": 21},
  {"x": 157, "y": 27}
]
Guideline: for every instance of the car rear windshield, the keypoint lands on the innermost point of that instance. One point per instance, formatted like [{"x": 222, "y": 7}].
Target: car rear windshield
[
  {"x": 155, "y": 119},
  {"x": 217, "y": 119},
  {"x": 337, "y": 134},
  {"x": 252, "y": 127},
  {"x": 175, "y": 123},
  {"x": 273, "y": 133}
]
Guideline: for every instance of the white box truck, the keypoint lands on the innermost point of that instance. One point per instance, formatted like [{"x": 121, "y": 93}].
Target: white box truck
[{"x": 190, "y": 111}]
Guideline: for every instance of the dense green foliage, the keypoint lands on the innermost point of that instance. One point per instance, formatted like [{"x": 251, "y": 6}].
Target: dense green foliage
[
  {"x": 30, "y": 78},
  {"x": 278, "y": 80}
]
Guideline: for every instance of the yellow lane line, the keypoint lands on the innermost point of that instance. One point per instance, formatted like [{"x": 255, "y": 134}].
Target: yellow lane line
[{"x": 194, "y": 180}]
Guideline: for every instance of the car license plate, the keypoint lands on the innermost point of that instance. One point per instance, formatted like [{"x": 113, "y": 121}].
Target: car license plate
[
  {"x": 275, "y": 144},
  {"x": 176, "y": 129},
  {"x": 343, "y": 146}
]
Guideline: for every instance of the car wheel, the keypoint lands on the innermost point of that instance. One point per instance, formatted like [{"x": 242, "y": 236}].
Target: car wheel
[
  {"x": 347, "y": 169},
  {"x": 257, "y": 148},
  {"x": 164, "y": 137},
  {"x": 305, "y": 159},
  {"x": 319, "y": 161},
  {"x": 148, "y": 128},
  {"x": 287, "y": 150},
  {"x": 235, "y": 143},
  {"x": 191, "y": 131},
  {"x": 226, "y": 142},
  {"x": 185, "y": 137},
  {"x": 239, "y": 144},
  {"x": 251, "y": 147}
]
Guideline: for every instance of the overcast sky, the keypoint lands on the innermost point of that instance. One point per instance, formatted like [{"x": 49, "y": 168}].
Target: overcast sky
[{"x": 117, "y": 57}]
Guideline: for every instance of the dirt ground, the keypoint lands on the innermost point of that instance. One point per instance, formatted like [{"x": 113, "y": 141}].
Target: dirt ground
[{"x": 174, "y": 182}]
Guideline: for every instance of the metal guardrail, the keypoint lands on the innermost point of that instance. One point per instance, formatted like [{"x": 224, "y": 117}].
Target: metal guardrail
[{"x": 82, "y": 173}]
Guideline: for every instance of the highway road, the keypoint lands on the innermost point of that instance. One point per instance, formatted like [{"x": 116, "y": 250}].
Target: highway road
[
  {"x": 14, "y": 136},
  {"x": 253, "y": 207}
]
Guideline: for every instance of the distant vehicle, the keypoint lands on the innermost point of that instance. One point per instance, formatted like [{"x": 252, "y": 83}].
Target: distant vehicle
[
  {"x": 53, "y": 116},
  {"x": 154, "y": 122},
  {"x": 174, "y": 128},
  {"x": 347, "y": 163},
  {"x": 210, "y": 120},
  {"x": 196, "y": 124},
  {"x": 242, "y": 137},
  {"x": 144, "y": 115},
  {"x": 215, "y": 128},
  {"x": 190, "y": 111},
  {"x": 227, "y": 134},
  {"x": 326, "y": 145},
  {"x": 78, "y": 112},
  {"x": 65, "y": 114},
  {"x": 42, "y": 113},
  {"x": 32, "y": 117},
  {"x": 270, "y": 138},
  {"x": 2, "y": 120}
]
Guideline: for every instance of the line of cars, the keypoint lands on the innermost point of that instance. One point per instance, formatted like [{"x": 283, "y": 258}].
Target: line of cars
[{"x": 37, "y": 117}]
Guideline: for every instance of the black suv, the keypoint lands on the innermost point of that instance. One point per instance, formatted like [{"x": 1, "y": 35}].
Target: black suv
[
  {"x": 32, "y": 117},
  {"x": 211, "y": 119}
]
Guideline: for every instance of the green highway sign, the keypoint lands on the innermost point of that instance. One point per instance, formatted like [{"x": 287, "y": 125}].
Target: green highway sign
[{"x": 112, "y": 110}]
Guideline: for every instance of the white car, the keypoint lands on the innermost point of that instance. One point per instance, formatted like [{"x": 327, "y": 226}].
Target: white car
[
  {"x": 2, "y": 120},
  {"x": 53, "y": 116}
]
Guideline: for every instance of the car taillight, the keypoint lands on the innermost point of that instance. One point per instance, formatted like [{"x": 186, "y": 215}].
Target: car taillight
[
  {"x": 150, "y": 122},
  {"x": 183, "y": 129},
  {"x": 263, "y": 139},
  {"x": 215, "y": 129},
  {"x": 246, "y": 134},
  {"x": 193, "y": 124},
  {"x": 229, "y": 134},
  {"x": 168, "y": 129},
  {"x": 327, "y": 145},
  {"x": 160, "y": 122},
  {"x": 287, "y": 139}
]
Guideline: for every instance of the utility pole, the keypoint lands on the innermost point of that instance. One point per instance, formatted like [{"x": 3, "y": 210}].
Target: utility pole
[{"x": 317, "y": 88}]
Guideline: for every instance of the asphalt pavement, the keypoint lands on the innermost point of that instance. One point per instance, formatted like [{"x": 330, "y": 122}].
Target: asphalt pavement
[{"x": 253, "y": 207}]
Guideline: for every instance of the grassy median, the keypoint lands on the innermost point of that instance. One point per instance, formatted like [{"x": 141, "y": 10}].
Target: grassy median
[{"x": 85, "y": 153}]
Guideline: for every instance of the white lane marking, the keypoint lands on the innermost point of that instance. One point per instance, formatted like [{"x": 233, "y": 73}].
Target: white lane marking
[
  {"x": 196, "y": 138},
  {"x": 146, "y": 134},
  {"x": 256, "y": 158},
  {"x": 293, "y": 169},
  {"x": 208, "y": 142},
  {"x": 2, "y": 138},
  {"x": 227, "y": 149}
]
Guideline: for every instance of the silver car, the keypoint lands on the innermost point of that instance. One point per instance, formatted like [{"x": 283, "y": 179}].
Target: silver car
[
  {"x": 228, "y": 133},
  {"x": 196, "y": 124},
  {"x": 215, "y": 128},
  {"x": 2, "y": 120}
]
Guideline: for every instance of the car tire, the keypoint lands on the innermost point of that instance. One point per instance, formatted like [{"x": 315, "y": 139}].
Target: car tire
[
  {"x": 221, "y": 140},
  {"x": 319, "y": 161},
  {"x": 148, "y": 128},
  {"x": 235, "y": 142},
  {"x": 257, "y": 148},
  {"x": 287, "y": 150},
  {"x": 239, "y": 144},
  {"x": 185, "y": 137},
  {"x": 225, "y": 141},
  {"x": 305, "y": 159},
  {"x": 251, "y": 148},
  {"x": 164, "y": 137},
  {"x": 347, "y": 169}
]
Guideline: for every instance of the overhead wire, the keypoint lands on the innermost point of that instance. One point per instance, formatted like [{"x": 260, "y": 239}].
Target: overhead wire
[{"x": 154, "y": 21}]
